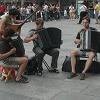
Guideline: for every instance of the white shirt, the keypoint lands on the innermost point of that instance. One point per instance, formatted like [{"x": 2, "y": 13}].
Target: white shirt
[
  {"x": 4, "y": 16},
  {"x": 71, "y": 8},
  {"x": 83, "y": 8},
  {"x": 65, "y": 12},
  {"x": 45, "y": 8}
]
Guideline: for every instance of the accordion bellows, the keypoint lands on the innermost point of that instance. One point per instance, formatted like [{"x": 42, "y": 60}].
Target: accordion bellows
[
  {"x": 50, "y": 38},
  {"x": 90, "y": 40}
]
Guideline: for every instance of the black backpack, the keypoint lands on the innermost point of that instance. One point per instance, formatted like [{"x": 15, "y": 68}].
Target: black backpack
[
  {"x": 32, "y": 65},
  {"x": 66, "y": 66}
]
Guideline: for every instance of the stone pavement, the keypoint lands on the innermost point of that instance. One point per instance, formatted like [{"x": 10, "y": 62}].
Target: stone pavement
[{"x": 54, "y": 86}]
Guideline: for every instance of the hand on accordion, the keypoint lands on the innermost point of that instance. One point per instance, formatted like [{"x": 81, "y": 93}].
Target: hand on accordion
[
  {"x": 77, "y": 41},
  {"x": 35, "y": 37}
]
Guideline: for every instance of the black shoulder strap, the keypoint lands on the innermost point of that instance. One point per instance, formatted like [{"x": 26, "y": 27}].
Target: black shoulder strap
[
  {"x": 92, "y": 28},
  {"x": 33, "y": 30},
  {"x": 81, "y": 30}
]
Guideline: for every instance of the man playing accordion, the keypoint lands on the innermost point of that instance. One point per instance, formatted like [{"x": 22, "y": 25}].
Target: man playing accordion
[
  {"x": 78, "y": 52},
  {"x": 33, "y": 36}
]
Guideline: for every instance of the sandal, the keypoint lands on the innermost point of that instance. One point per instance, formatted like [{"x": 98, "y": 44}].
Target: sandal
[
  {"x": 23, "y": 76},
  {"x": 22, "y": 80}
]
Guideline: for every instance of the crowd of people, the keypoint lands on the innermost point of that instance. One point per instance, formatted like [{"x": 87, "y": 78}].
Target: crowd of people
[
  {"x": 51, "y": 12},
  {"x": 47, "y": 12}
]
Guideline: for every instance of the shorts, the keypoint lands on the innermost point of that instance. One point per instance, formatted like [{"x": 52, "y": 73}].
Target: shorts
[
  {"x": 82, "y": 53},
  {"x": 10, "y": 61}
]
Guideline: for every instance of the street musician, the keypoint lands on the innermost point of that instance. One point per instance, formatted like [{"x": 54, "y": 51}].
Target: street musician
[
  {"x": 77, "y": 52},
  {"x": 7, "y": 57},
  {"x": 33, "y": 36},
  {"x": 8, "y": 20}
]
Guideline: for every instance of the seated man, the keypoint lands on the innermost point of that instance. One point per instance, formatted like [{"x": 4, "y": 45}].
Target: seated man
[
  {"x": 77, "y": 52},
  {"x": 33, "y": 36},
  {"x": 9, "y": 59},
  {"x": 6, "y": 59}
]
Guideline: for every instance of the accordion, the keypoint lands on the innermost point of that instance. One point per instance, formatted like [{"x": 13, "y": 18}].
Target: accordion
[
  {"x": 90, "y": 40},
  {"x": 49, "y": 38}
]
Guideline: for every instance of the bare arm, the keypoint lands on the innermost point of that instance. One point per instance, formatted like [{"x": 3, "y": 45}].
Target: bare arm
[
  {"x": 77, "y": 41},
  {"x": 30, "y": 38},
  {"x": 5, "y": 55},
  {"x": 18, "y": 21},
  {"x": 2, "y": 25}
]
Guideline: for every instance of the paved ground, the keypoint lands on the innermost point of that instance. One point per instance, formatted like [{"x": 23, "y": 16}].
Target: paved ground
[{"x": 54, "y": 86}]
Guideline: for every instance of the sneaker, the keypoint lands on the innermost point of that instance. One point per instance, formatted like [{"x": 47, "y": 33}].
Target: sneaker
[
  {"x": 78, "y": 23},
  {"x": 54, "y": 70},
  {"x": 22, "y": 80},
  {"x": 82, "y": 76},
  {"x": 71, "y": 75},
  {"x": 39, "y": 73},
  {"x": 96, "y": 23}
]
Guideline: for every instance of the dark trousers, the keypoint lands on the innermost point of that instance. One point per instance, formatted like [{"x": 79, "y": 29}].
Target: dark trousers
[
  {"x": 82, "y": 15},
  {"x": 40, "y": 55}
]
